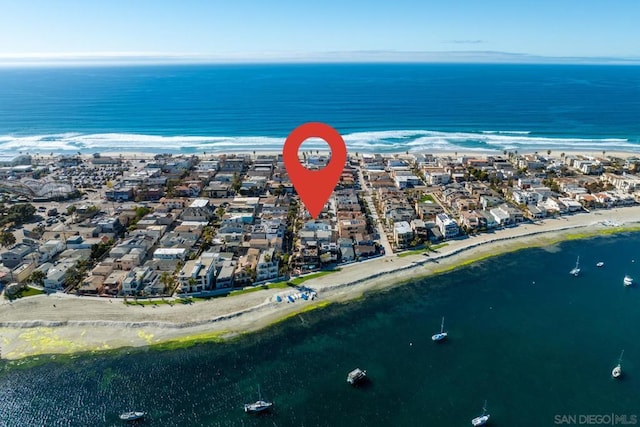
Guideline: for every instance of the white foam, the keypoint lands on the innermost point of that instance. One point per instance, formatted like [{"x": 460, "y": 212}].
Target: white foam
[{"x": 372, "y": 141}]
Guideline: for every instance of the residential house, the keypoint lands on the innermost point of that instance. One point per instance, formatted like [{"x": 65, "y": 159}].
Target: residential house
[
  {"x": 16, "y": 255},
  {"x": 447, "y": 226},
  {"x": 267, "y": 267},
  {"x": 197, "y": 275},
  {"x": 402, "y": 234}
]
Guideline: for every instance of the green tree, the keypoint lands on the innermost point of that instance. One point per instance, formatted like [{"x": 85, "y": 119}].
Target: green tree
[
  {"x": 19, "y": 214},
  {"x": 37, "y": 278},
  {"x": 7, "y": 239},
  {"x": 141, "y": 211}
]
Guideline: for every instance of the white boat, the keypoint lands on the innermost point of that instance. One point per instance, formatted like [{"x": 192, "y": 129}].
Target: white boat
[
  {"x": 482, "y": 419},
  {"x": 356, "y": 376},
  {"x": 576, "y": 270},
  {"x": 600, "y": 264},
  {"x": 257, "y": 406},
  {"x": 442, "y": 335},
  {"x": 617, "y": 371},
  {"x": 132, "y": 416},
  {"x": 628, "y": 280}
]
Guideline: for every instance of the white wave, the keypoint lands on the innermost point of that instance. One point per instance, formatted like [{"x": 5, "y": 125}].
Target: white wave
[
  {"x": 371, "y": 141},
  {"x": 506, "y": 132}
]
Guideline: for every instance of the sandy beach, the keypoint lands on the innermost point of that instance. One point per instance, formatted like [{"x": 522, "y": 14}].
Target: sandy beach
[{"x": 61, "y": 323}]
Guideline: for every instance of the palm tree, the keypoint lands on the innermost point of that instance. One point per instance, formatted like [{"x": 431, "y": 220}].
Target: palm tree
[
  {"x": 192, "y": 283},
  {"x": 166, "y": 279}
]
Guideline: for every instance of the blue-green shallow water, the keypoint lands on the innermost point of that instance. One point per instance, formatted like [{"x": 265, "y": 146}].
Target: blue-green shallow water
[{"x": 533, "y": 351}]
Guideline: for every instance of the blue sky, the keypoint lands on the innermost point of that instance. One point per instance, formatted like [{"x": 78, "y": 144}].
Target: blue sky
[{"x": 281, "y": 29}]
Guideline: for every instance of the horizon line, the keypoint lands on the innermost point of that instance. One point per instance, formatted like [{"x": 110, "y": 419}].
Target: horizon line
[{"x": 328, "y": 57}]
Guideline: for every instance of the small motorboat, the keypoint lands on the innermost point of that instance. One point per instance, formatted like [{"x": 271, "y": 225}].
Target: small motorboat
[
  {"x": 132, "y": 416},
  {"x": 356, "y": 376}
]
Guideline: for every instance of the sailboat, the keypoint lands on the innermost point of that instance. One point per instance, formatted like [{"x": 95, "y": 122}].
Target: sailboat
[
  {"x": 482, "y": 419},
  {"x": 576, "y": 270},
  {"x": 257, "y": 406},
  {"x": 617, "y": 371},
  {"x": 628, "y": 280},
  {"x": 442, "y": 335}
]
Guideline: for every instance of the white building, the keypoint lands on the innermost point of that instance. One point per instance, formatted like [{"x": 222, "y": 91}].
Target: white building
[
  {"x": 49, "y": 249},
  {"x": 402, "y": 234},
  {"x": 197, "y": 275},
  {"x": 56, "y": 275},
  {"x": 139, "y": 278},
  {"x": 267, "y": 267},
  {"x": 448, "y": 227},
  {"x": 170, "y": 253}
]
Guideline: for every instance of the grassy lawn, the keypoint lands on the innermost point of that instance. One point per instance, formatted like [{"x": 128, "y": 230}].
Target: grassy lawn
[
  {"x": 413, "y": 252},
  {"x": 427, "y": 198},
  {"x": 279, "y": 285},
  {"x": 422, "y": 250},
  {"x": 299, "y": 280},
  {"x": 27, "y": 292}
]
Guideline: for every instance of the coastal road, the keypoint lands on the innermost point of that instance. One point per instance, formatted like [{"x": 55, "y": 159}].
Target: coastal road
[{"x": 388, "y": 250}]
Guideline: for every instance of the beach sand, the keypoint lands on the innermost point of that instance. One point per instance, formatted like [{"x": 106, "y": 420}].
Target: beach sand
[{"x": 61, "y": 323}]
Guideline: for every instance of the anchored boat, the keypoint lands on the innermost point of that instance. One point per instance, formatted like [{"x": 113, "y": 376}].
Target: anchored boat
[{"x": 356, "y": 376}]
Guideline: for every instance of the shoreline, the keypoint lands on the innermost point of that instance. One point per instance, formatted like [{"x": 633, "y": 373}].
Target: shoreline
[
  {"x": 70, "y": 325},
  {"x": 270, "y": 151}
]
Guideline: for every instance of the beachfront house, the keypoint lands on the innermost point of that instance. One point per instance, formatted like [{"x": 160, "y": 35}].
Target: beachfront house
[
  {"x": 447, "y": 226},
  {"x": 197, "y": 275},
  {"x": 225, "y": 275},
  {"x": 140, "y": 278},
  {"x": 57, "y": 275},
  {"x": 267, "y": 267},
  {"x": 402, "y": 234}
]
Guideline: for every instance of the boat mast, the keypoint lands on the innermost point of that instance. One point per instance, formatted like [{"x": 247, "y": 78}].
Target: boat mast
[{"x": 442, "y": 325}]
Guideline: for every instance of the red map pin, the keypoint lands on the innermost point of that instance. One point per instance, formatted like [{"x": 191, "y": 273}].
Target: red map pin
[{"x": 314, "y": 186}]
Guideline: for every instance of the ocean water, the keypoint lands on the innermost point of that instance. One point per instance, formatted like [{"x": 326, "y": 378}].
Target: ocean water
[
  {"x": 533, "y": 341},
  {"x": 376, "y": 107}
]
